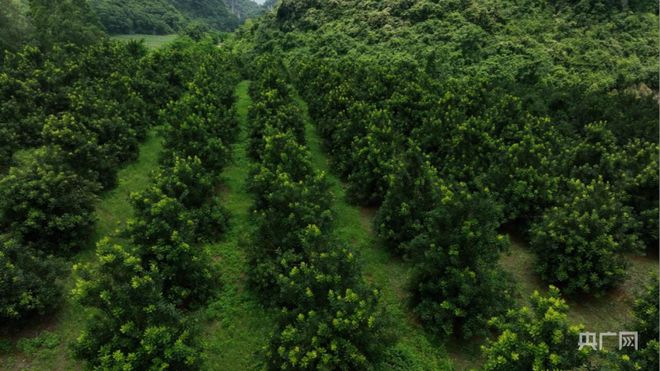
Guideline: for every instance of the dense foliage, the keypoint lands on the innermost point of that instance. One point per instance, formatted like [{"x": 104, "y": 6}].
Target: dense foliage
[
  {"x": 134, "y": 326},
  {"x": 455, "y": 287},
  {"x": 28, "y": 281},
  {"x": 537, "y": 337},
  {"x": 457, "y": 118},
  {"x": 330, "y": 319},
  {"x": 141, "y": 323},
  {"x": 161, "y": 17},
  {"x": 74, "y": 109},
  {"x": 46, "y": 205},
  {"x": 581, "y": 241}
]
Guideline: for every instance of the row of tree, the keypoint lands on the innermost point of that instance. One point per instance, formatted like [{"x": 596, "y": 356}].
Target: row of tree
[
  {"x": 140, "y": 291},
  {"x": 448, "y": 170},
  {"x": 561, "y": 186},
  {"x": 71, "y": 117},
  {"x": 330, "y": 319}
]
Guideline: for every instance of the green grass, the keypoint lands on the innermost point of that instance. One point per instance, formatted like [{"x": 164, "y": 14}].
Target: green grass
[
  {"x": 379, "y": 268},
  {"x": 150, "y": 41},
  {"x": 238, "y": 326},
  {"x": 45, "y": 345}
]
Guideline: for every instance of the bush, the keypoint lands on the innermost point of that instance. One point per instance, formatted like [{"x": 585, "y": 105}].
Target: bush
[
  {"x": 269, "y": 114},
  {"x": 372, "y": 163},
  {"x": 186, "y": 181},
  {"x": 277, "y": 242},
  {"x": 456, "y": 286},
  {"x": 29, "y": 281},
  {"x": 535, "y": 338},
  {"x": 133, "y": 326},
  {"x": 191, "y": 137},
  {"x": 157, "y": 217},
  {"x": 320, "y": 264},
  {"x": 580, "y": 243},
  {"x": 412, "y": 192},
  {"x": 78, "y": 147},
  {"x": 46, "y": 205},
  {"x": 347, "y": 334}
]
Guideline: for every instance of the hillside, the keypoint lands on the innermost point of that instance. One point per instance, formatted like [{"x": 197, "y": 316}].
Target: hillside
[{"x": 170, "y": 16}]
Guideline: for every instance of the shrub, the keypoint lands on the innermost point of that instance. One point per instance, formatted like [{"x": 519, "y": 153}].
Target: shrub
[
  {"x": 456, "y": 286},
  {"x": 78, "y": 147},
  {"x": 29, "y": 281},
  {"x": 579, "y": 244},
  {"x": 538, "y": 337},
  {"x": 372, "y": 163},
  {"x": 133, "y": 326},
  {"x": 412, "y": 192},
  {"x": 347, "y": 334},
  {"x": 271, "y": 113},
  {"x": 46, "y": 205},
  {"x": 157, "y": 217},
  {"x": 192, "y": 136},
  {"x": 645, "y": 322}
]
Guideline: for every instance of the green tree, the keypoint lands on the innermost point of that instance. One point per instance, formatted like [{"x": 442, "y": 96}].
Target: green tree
[
  {"x": 46, "y": 205},
  {"x": 78, "y": 147},
  {"x": 132, "y": 326},
  {"x": 412, "y": 192},
  {"x": 64, "y": 21},
  {"x": 537, "y": 337},
  {"x": 29, "y": 281},
  {"x": 455, "y": 287},
  {"x": 579, "y": 244},
  {"x": 645, "y": 322},
  {"x": 347, "y": 334}
]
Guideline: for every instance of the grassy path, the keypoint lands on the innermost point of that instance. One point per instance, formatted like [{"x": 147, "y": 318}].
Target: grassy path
[
  {"x": 379, "y": 268},
  {"x": 237, "y": 326},
  {"x": 44, "y": 346}
]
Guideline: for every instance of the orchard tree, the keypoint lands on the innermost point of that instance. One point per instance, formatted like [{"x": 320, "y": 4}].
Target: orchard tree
[
  {"x": 372, "y": 162},
  {"x": 346, "y": 334},
  {"x": 157, "y": 218},
  {"x": 46, "y": 205},
  {"x": 188, "y": 277},
  {"x": 194, "y": 135},
  {"x": 271, "y": 113},
  {"x": 537, "y": 337},
  {"x": 456, "y": 286},
  {"x": 579, "y": 244},
  {"x": 412, "y": 192},
  {"x": 188, "y": 182},
  {"x": 527, "y": 178},
  {"x": 29, "y": 281},
  {"x": 107, "y": 118},
  {"x": 288, "y": 208},
  {"x": 639, "y": 179},
  {"x": 79, "y": 148},
  {"x": 319, "y": 265},
  {"x": 132, "y": 326}
]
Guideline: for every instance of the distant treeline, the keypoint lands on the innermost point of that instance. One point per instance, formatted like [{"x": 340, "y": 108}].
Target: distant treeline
[{"x": 171, "y": 16}]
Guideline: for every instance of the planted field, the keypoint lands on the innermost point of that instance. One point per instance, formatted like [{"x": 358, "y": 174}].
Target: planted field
[{"x": 334, "y": 185}]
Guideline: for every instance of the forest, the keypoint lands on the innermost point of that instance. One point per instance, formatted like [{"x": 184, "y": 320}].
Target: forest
[{"x": 329, "y": 185}]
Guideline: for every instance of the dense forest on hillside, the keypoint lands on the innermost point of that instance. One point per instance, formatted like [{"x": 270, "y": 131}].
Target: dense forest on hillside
[
  {"x": 336, "y": 185},
  {"x": 170, "y": 16}
]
